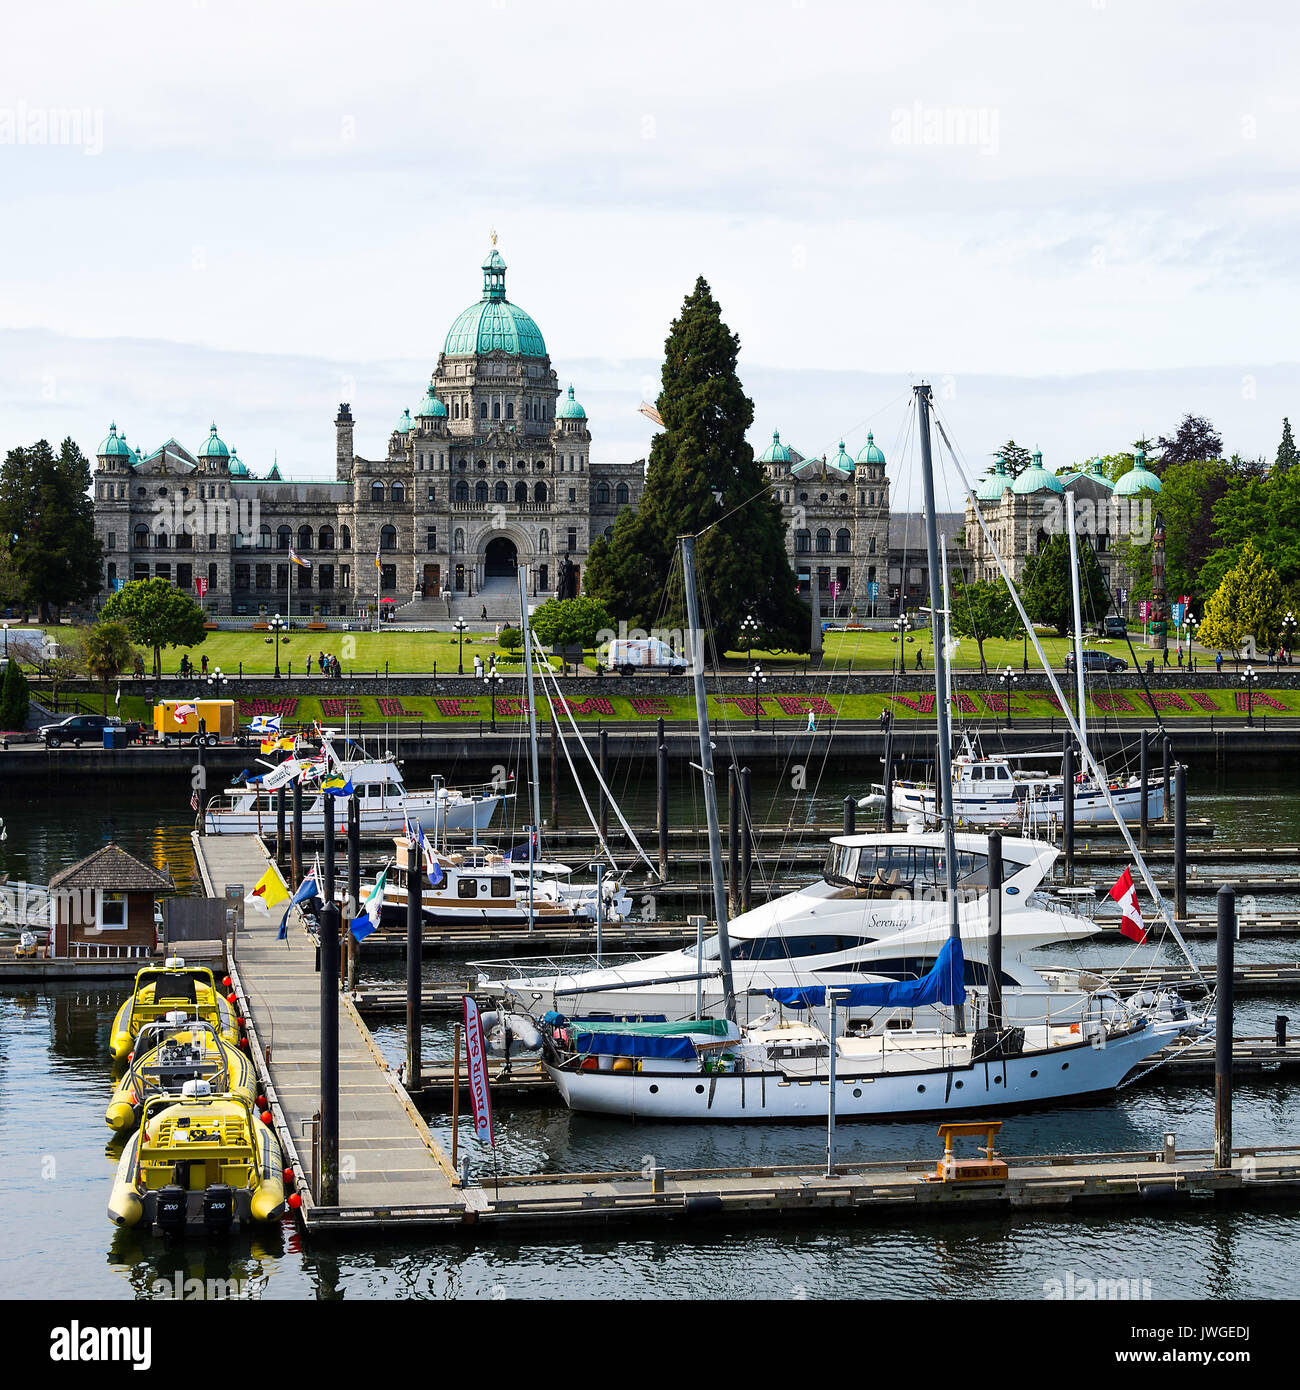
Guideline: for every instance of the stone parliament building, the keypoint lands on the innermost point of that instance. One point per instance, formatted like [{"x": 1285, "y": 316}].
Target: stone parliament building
[{"x": 491, "y": 470}]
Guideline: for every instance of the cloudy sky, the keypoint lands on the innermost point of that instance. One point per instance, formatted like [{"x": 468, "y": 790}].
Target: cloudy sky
[{"x": 1076, "y": 218}]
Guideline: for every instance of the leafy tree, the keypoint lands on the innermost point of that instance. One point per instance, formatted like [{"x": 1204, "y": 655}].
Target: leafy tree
[
  {"x": 157, "y": 615},
  {"x": 108, "y": 652},
  {"x": 1249, "y": 603},
  {"x": 1263, "y": 510},
  {"x": 982, "y": 610},
  {"x": 68, "y": 665},
  {"x": 47, "y": 525},
  {"x": 1046, "y": 589},
  {"x": 571, "y": 621},
  {"x": 15, "y": 698},
  {"x": 511, "y": 639},
  {"x": 1016, "y": 457},
  {"x": 1195, "y": 439},
  {"x": 702, "y": 470},
  {"x": 1286, "y": 450}
]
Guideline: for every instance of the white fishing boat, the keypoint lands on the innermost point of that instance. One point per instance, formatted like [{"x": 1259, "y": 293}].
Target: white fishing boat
[
  {"x": 385, "y": 802},
  {"x": 982, "y": 1054},
  {"x": 990, "y": 791}
]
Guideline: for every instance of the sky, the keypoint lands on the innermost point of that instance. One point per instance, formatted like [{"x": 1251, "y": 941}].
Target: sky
[{"x": 1075, "y": 219}]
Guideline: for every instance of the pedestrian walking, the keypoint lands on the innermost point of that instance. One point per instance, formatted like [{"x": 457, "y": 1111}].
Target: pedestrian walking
[
  {"x": 812, "y": 723},
  {"x": 204, "y": 666},
  {"x": 483, "y": 615},
  {"x": 1166, "y": 656},
  {"x": 1218, "y": 662},
  {"x": 918, "y": 658},
  {"x": 884, "y": 721},
  {"x": 1180, "y": 658}
]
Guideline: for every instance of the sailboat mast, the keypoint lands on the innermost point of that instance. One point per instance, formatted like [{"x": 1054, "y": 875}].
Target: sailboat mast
[
  {"x": 1078, "y": 625},
  {"x": 946, "y": 623},
  {"x": 943, "y": 778},
  {"x": 706, "y": 768},
  {"x": 532, "y": 712}
]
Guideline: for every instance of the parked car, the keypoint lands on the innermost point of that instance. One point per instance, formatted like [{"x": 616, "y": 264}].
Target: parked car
[
  {"x": 77, "y": 729},
  {"x": 1097, "y": 661},
  {"x": 1112, "y": 627}
]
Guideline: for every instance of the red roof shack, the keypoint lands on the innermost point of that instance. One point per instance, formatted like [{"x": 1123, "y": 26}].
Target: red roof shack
[{"x": 104, "y": 906}]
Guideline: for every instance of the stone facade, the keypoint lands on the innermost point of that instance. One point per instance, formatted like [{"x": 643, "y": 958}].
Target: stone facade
[{"x": 492, "y": 470}]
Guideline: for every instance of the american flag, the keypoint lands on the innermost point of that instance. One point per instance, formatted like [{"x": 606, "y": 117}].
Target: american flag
[{"x": 194, "y": 800}]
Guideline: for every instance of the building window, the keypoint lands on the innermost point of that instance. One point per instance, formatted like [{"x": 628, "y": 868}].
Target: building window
[
  {"x": 345, "y": 539},
  {"x": 184, "y": 577},
  {"x": 521, "y": 493},
  {"x": 621, "y": 495},
  {"x": 388, "y": 577},
  {"x": 160, "y": 541},
  {"x": 432, "y": 497},
  {"x": 573, "y": 494},
  {"x": 283, "y": 538},
  {"x": 502, "y": 493},
  {"x": 871, "y": 545},
  {"x": 241, "y": 579},
  {"x": 142, "y": 537},
  {"x": 842, "y": 542},
  {"x": 398, "y": 493},
  {"x": 573, "y": 538},
  {"x": 212, "y": 577},
  {"x": 510, "y": 410},
  {"x": 162, "y": 572},
  {"x": 543, "y": 578},
  {"x": 327, "y": 576},
  {"x": 212, "y": 540},
  {"x": 140, "y": 571},
  {"x": 112, "y": 911},
  {"x": 480, "y": 492},
  {"x": 388, "y": 538},
  {"x": 802, "y": 542},
  {"x": 112, "y": 576},
  {"x": 431, "y": 539},
  {"x": 345, "y": 576},
  {"x": 539, "y": 492},
  {"x": 112, "y": 541},
  {"x": 326, "y": 538},
  {"x": 823, "y": 541},
  {"x": 602, "y": 493},
  {"x": 282, "y": 577},
  {"x": 482, "y": 410},
  {"x": 264, "y": 576},
  {"x": 304, "y": 578},
  {"x": 304, "y": 537},
  {"x": 462, "y": 491}
]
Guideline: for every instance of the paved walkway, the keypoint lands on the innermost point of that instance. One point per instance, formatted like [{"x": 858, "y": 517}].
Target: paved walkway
[{"x": 386, "y": 1155}]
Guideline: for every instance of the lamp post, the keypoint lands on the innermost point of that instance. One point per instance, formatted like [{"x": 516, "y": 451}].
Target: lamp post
[
  {"x": 1249, "y": 678},
  {"x": 460, "y": 626},
  {"x": 492, "y": 677},
  {"x": 1007, "y": 680},
  {"x": 1288, "y": 634},
  {"x": 277, "y": 625},
  {"x": 748, "y": 635},
  {"x": 1024, "y": 659},
  {"x": 216, "y": 680},
  {"x": 757, "y": 680},
  {"x": 901, "y": 624}
]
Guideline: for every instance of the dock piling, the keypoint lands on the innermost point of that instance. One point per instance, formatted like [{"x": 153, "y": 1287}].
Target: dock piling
[
  {"x": 1226, "y": 904},
  {"x": 1180, "y": 842},
  {"x": 328, "y": 1194},
  {"x": 414, "y": 963},
  {"x": 850, "y": 815}
]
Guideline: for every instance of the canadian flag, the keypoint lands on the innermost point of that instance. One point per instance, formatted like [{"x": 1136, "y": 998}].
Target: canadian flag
[{"x": 1126, "y": 896}]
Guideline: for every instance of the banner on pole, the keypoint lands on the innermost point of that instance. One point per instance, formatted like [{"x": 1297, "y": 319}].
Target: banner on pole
[{"x": 476, "y": 1055}]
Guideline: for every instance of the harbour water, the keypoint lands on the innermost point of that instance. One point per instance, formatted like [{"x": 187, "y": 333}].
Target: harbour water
[{"x": 54, "y": 1085}]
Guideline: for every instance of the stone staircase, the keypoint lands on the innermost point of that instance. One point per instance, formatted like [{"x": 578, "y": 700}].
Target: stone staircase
[{"x": 500, "y": 597}]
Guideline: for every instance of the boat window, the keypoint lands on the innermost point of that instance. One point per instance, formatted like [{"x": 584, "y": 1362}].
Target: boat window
[
  {"x": 1004, "y": 774},
  {"x": 467, "y": 888},
  {"x": 792, "y": 947},
  {"x": 500, "y": 887},
  {"x": 842, "y": 864},
  {"x": 972, "y": 869}
]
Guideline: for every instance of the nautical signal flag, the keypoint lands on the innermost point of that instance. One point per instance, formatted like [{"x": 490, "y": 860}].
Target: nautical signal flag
[
  {"x": 306, "y": 889},
  {"x": 270, "y": 888},
  {"x": 265, "y": 724},
  {"x": 368, "y": 919},
  {"x": 1125, "y": 894},
  {"x": 336, "y": 786}
]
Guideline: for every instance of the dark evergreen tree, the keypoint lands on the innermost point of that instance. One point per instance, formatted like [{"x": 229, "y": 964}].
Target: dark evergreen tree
[
  {"x": 14, "y": 698},
  {"x": 1016, "y": 457},
  {"x": 47, "y": 524},
  {"x": 1195, "y": 440},
  {"x": 1046, "y": 589},
  {"x": 1286, "y": 450},
  {"x": 701, "y": 472}
]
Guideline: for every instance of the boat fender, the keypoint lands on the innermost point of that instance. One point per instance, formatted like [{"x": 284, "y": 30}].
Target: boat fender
[{"x": 706, "y": 1205}]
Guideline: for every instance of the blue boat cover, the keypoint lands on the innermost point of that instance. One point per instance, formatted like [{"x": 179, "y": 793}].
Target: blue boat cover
[
  {"x": 679, "y": 1046},
  {"x": 943, "y": 985}
]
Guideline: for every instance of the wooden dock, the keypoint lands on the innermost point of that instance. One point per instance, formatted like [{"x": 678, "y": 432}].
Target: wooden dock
[{"x": 386, "y": 1154}]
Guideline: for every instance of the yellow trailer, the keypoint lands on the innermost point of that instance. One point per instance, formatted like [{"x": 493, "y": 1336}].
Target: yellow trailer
[{"x": 189, "y": 720}]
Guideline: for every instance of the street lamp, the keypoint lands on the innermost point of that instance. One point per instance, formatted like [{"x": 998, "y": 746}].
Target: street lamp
[
  {"x": 1008, "y": 680},
  {"x": 1288, "y": 635},
  {"x": 749, "y": 635},
  {"x": 757, "y": 679},
  {"x": 901, "y": 624},
  {"x": 492, "y": 677},
  {"x": 216, "y": 681},
  {"x": 460, "y": 626},
  {"x": 276, "y": 625},
  {"x": 1024, "y": 659},
  {"x": 1249, "y": 679}
]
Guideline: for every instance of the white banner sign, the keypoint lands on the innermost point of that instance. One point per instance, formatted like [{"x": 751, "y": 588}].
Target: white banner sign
[{"x": 476, "y": 1055}]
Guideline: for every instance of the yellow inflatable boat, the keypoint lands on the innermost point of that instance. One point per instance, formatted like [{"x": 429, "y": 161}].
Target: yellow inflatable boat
[
  {"x": 169, "y": 1053},
  {"x": 159, "y": 990},
  {"x": 198, "y": 1161}
]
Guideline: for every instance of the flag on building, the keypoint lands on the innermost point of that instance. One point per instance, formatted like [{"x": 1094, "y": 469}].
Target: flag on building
[
  {"x": 296, "y": 559},
  {"x": 1125, "y": 894},
  {"x": 270, "y": 888},
  {"x": 476, "y": 1055},
  {"x": 368, "y": 918}
]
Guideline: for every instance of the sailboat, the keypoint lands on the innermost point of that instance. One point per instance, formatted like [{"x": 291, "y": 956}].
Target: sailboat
[
  {"x": 480, "y": 887},
  {"x": 776, "y": 1068}
]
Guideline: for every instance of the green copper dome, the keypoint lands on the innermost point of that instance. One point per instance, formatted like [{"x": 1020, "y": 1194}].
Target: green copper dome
[
  {"x": 114, "y": 445},
  {"x": 1139, "y": 478},
  {"x": 431, "y": 408},
  {"x": 870, "y": 454},
  {"x": 570, "y": 409},
  {"x": 1037, "y": 479},
  {"x": 212, "y": 447},
  {"x": 842, "y": 461},
  {"x": 238, "y": 468},
  {"x": 776, "y": 452},
  {"x": 992, "y": 488},
  {"x": 494, "y": 324},
  {"x": 403, "y": 425}
]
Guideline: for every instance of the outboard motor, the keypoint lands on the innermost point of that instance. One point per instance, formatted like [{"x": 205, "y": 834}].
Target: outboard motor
[
  {"x": 169, "y": 1209},
  {"x": 218, "y": 1209}
]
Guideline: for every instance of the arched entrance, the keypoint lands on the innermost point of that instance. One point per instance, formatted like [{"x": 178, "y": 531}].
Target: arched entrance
[{"x": 500, "y": 559}]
